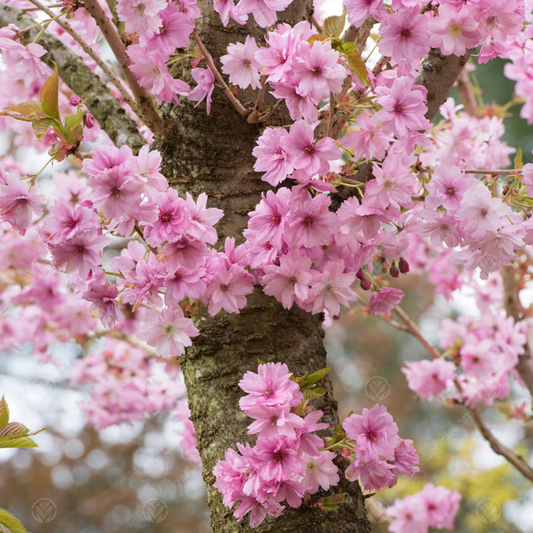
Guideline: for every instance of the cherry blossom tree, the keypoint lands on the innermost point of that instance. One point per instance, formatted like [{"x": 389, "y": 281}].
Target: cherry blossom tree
[{"x": 226, "y": 180}]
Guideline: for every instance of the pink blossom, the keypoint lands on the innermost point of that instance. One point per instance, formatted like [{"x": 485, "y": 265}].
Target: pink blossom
[
  {"x": 274, "y": 420},
  {"x": 361, "y": 219},
  {"x": 146, "y": 167},
  {"x": 288, "y": 282},
  {"x": 332, "y": 288},
  {"x": 168, "y": 331},
  {"x": 67, "y": 221},
  {"x": 375, "y": 433},
  {"x": 103, "y": 298},
  {"x": 312, "y": 223},
  {"x": 318, "y": 71},
  {"x": 82, "y": 253},
  {"x": 454, "y": 31},
  {"x": 204, "y": 90},
  {"x": 405, "y": 36},
  {"x": 227, "y": 9},
  {"x": 268, "y": 222},
  {"x": 117, "y": 194},
  {"x": 307, "y": 154},
  {"x": 447, "y": 187},
  {"x": 375, "y": 474},
  {"x": 24, "y": 62},
  {"x": 106, "y": 157},
  {"x": 264, "y": 11},
  {"x": 429, "y": 378},
  {"x": 405, "y": 458},
  {"x": 18, "y": 203},
  {"x": 409, "y": 516},
  {"x": 271, "y": 387},
  {"x": 174, "y": 32},
  {"x": 299, "y": 106},
  {"x": 141, "y": 16},
  {"x": 203, "y": 218},
  {"x": 369, "y": 141},
  {"x": 153, "y": 75},
  {"x": 384, "y": 300},
  {"x": 359, "y": 10},
  {"x": 272, "y": 156},
  {"x": 228, "y": 290},
  {"x": 277, "y": 58},
  {"x": 320, "y": 471},
  {"x": 172, "y": 219},
  {"x": 240, "y": 64},
  {"x": 276, "y": 459},
  {"x": 404, "y": 107},
  {"x": 184, "y": 283},
  {"x": 184, "y": 252}
]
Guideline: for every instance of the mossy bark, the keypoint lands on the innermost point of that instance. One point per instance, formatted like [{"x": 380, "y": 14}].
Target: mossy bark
[{"x": 213, "y": 154}]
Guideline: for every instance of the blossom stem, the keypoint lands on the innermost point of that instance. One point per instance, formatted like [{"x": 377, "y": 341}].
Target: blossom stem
[
  {"x": 253, "y": 117},
  {"x": 147, "y": 109},
  {"x": 90, "y": 52},
  {"x": 139, "y": 232},
  {"x": 209, "y": 62}
]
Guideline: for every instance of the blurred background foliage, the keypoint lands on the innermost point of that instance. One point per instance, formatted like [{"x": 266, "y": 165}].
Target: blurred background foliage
[{"x": 135, "y": 478}]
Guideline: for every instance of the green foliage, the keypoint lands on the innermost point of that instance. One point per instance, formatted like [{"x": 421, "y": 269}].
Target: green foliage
[
  {"x": 333, "y": 26},
  {"x": 13, "y": 434},
  {"x": 45, "y": 115},
  {"x": 9, "y": 524}
]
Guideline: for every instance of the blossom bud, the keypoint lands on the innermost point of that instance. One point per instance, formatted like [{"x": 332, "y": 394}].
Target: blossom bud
[
  {"x": 393, "y": 270},
  {"x": 360, "y": 274},
  {"x": 403, "y": 265},
  {"x": 365, "y": 284},
  {"x": 88, "y": 120},
  {"x": 75, "y": 100}
]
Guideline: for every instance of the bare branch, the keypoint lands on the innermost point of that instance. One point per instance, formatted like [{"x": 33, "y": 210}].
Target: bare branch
[
  {"x": 105, "y": 108},
  {"x": 144, "y": 101},
  {"x": 90, "y": 52}
]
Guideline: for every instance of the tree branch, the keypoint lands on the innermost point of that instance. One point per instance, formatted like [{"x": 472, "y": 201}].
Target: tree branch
[
  {"x": 105, "y": 108},
  {"x": 144, "y": 101},
  {"x": 90, "y": 52}
]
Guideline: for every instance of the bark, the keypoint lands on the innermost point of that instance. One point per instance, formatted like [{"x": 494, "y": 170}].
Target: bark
[
  {"x": 105, "y": 108},
  {"x": 214, "y": 155}
]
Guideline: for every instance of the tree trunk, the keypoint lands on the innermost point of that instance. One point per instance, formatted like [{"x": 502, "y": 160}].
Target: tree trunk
[{"x": 213, "y": 154}]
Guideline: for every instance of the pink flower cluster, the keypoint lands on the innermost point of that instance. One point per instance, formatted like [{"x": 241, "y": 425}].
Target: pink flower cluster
[
  {"x": 379, "y": 454},
  {"x": 123, "y": 388},
  {"x": 432, "y": 507},
  {"x": 286, "y": 462}
]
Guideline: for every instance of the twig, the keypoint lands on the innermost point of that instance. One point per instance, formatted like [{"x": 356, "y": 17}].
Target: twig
[
  {"x": 253, "y": 117},
  {"x": 209, "y": 61},
  {"x": 466, "y": 94},
  {"x": 90, "y": 52},
  {"x": 148, "y": 112},
  {"x": 139, "y": 232},
  {"x": 492, "y": 172}
]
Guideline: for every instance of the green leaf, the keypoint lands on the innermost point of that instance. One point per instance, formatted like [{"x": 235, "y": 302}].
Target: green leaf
[
  {"x": 518, "y": 160},
  {"x": 316, "y": 376},
  {"x": 312, "y": 393},
  {"x": 317, "y": 37},
  {"x": 349, "y": 50},
  {"x": 9, "y": 522},
  {"x": 27, "y": 110},
  {"x": 260, "y": 362},
  {"x": 17, "y": 442},
  {"x": 50, "y": 95},
  {"x": 41, "y": 127},
  {"x": 4, "y": 412},
  {"x": 334, "y": 26},
  {"x": 74, "y": 121},
  {"x": 332, "y": 502},
  {"x": 13, "y": 429}
]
